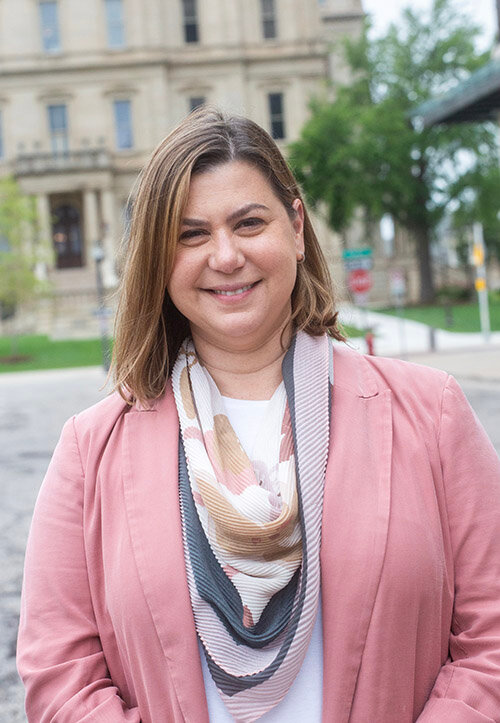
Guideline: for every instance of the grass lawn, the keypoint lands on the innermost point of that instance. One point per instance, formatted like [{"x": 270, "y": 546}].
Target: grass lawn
[
  {"x": 351, "y": 331},
  {"x": 44, "y": 353},
  {"x": 465, "y": 316}
]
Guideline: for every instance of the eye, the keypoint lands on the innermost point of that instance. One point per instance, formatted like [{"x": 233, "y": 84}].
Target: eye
[
  {"x": 250, "y": 223},
  {"x": 192, "y": 237}
]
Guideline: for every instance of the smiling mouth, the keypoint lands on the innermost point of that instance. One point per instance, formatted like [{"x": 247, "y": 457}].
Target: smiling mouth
[{"x": 233, "y": 292}]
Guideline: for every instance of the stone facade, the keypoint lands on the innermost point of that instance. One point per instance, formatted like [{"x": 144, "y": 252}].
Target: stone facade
[{"x": 88, "y": 89}]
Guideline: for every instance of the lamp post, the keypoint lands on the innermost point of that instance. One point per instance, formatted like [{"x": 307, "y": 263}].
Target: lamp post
[{"x": 102, "y": 311}]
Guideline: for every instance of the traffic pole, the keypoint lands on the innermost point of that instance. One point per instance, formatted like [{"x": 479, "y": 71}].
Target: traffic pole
[{"x": 478, "y": 256}]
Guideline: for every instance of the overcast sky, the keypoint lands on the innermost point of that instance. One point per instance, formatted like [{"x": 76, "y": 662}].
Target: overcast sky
[{"x": 387, "y": 11}]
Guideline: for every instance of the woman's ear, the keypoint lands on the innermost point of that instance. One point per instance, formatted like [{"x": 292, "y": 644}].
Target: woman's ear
[{"x": 298, "y": 226}]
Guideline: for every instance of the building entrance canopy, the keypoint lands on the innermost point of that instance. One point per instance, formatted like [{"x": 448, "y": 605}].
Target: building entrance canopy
[{"x": 476, "y": 99}]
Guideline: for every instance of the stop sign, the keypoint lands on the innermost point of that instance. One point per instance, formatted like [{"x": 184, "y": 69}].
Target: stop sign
[{"x": 359, "y": 281}]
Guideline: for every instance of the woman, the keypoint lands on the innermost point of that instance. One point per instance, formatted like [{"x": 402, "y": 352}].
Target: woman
[{"x": 253, "y": 498}]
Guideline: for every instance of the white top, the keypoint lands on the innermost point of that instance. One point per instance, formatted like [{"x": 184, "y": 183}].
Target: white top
[{"x": 303, "y": 702}]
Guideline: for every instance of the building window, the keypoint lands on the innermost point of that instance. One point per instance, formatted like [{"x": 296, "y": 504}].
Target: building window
[
  {"x": 114, "y": 22},
  {"x": 276, "y": 115},
  {"x": 268, "y": 12},
  {"x": 123, "y": 124},
  {"x": 58, "y": 128},
  {"x": 49, "y": 22},
  {"x": 190, "y": 12},
  {"x": 196, "y": 101}
]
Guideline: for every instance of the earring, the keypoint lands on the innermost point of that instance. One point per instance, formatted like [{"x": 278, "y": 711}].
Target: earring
[{"x": 301, "y": 257}]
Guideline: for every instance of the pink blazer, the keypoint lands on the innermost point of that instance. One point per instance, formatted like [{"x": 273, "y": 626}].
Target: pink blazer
[{"x": 410, "y": 562}]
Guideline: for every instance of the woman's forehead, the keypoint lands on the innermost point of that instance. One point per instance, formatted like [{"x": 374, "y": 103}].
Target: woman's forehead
[{"x": 237, "y": 181}]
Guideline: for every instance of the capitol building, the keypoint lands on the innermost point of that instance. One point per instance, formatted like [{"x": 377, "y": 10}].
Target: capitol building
[{"x": 88, "y": 89}]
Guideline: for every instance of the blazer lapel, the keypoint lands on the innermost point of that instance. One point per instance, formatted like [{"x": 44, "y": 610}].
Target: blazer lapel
[
  {"x": 355, "y": 524},
  {"x": 151, "y": 496}
]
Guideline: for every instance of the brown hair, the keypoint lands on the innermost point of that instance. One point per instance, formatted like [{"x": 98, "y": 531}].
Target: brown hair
[{"x": 149, "y": 329}]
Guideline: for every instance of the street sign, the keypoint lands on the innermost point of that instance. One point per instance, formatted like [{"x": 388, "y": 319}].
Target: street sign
[
  {"x": 359, "y": 281},
  {"x": 356, "y": 253},
  {"x": 357, "y": 259},
  {"x": 478, "y": 254},
  {"x": 358, "y": 264},
  {"x": 364, "y": 262}
]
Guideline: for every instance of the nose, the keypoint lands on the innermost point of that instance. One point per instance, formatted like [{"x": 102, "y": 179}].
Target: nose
[{"x": 226, "y": 255}]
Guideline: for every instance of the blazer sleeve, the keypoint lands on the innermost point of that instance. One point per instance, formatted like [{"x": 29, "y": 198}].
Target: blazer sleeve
[
  {"x": 467, "y": 689},
  {"x": 60, "y": 657}
]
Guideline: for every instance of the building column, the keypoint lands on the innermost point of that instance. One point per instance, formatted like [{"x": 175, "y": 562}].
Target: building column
[
  {"x": 92, "y": 231},
  {"x": 110, "y": 237},
  {"x": 45, "y": 235}
]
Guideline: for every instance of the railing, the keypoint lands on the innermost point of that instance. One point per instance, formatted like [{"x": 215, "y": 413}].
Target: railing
[{"x": 41, "y": 163}]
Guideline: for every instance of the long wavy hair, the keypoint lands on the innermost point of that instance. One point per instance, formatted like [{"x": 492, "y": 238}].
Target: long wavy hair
[{"x": 148, "y": 328}]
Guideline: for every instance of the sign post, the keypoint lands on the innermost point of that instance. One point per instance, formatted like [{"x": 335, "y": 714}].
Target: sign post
[
  {"x": 397, "y": 280},
  {"x": 478, "y": 258}
]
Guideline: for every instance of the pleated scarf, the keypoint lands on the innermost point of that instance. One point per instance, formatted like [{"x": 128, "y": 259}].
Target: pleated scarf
[{"x": 252, "y": 548}]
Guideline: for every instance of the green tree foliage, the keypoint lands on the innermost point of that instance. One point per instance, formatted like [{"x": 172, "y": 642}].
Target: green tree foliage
[
  {"x": 360, "y": 150},
  {"x": 19, "y": 252},
  {"x": 479, "y": 195}
]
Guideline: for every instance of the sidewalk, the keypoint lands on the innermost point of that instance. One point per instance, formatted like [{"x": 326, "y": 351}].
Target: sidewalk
[
  {"x": 477, "y": 364},
  {"x": 466, "y": 356}
]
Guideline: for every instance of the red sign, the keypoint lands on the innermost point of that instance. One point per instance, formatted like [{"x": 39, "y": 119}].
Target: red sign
[{"x": 359, "y": 281}]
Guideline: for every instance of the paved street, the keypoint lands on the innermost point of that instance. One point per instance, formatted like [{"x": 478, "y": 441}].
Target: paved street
[{"x": 33, "y": 407}]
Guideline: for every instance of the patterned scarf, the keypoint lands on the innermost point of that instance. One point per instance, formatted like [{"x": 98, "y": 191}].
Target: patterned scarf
[{"x": 252, "y": 549}]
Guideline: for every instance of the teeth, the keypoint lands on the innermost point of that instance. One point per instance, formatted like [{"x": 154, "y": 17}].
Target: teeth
[{"x": 236, "y": 291}]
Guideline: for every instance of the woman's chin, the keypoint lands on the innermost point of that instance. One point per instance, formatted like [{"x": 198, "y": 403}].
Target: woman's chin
[{"x": 239, "y": 334}]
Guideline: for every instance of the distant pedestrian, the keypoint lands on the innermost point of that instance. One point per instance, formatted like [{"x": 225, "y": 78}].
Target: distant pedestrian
[{"x": 258, "y": 523}]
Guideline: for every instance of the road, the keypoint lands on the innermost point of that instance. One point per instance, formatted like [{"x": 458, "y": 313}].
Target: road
[{"x": 33, "y": 407}]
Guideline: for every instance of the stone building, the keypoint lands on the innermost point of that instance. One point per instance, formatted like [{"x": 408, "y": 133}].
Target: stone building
[{"x": 88, "y": 89}]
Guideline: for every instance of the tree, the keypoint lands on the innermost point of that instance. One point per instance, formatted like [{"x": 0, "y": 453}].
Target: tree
[
  {"x": 360, "y": 150},
  {"x": 19, "y": 253},
  {"x": 479, "y": 194}
]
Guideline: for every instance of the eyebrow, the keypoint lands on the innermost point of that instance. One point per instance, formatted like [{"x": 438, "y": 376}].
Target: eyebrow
[{"x": 232, "y": 217}]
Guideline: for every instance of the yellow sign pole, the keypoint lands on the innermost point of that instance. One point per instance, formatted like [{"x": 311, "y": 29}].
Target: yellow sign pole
[{"x": 478, "y": 257}]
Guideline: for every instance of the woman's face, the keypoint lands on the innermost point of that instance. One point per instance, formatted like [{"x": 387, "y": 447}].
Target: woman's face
[{"x": 236, "y": 258}]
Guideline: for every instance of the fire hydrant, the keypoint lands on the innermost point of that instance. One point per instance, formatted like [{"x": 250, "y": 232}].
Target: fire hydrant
[{"x": 370, "y": 342}]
